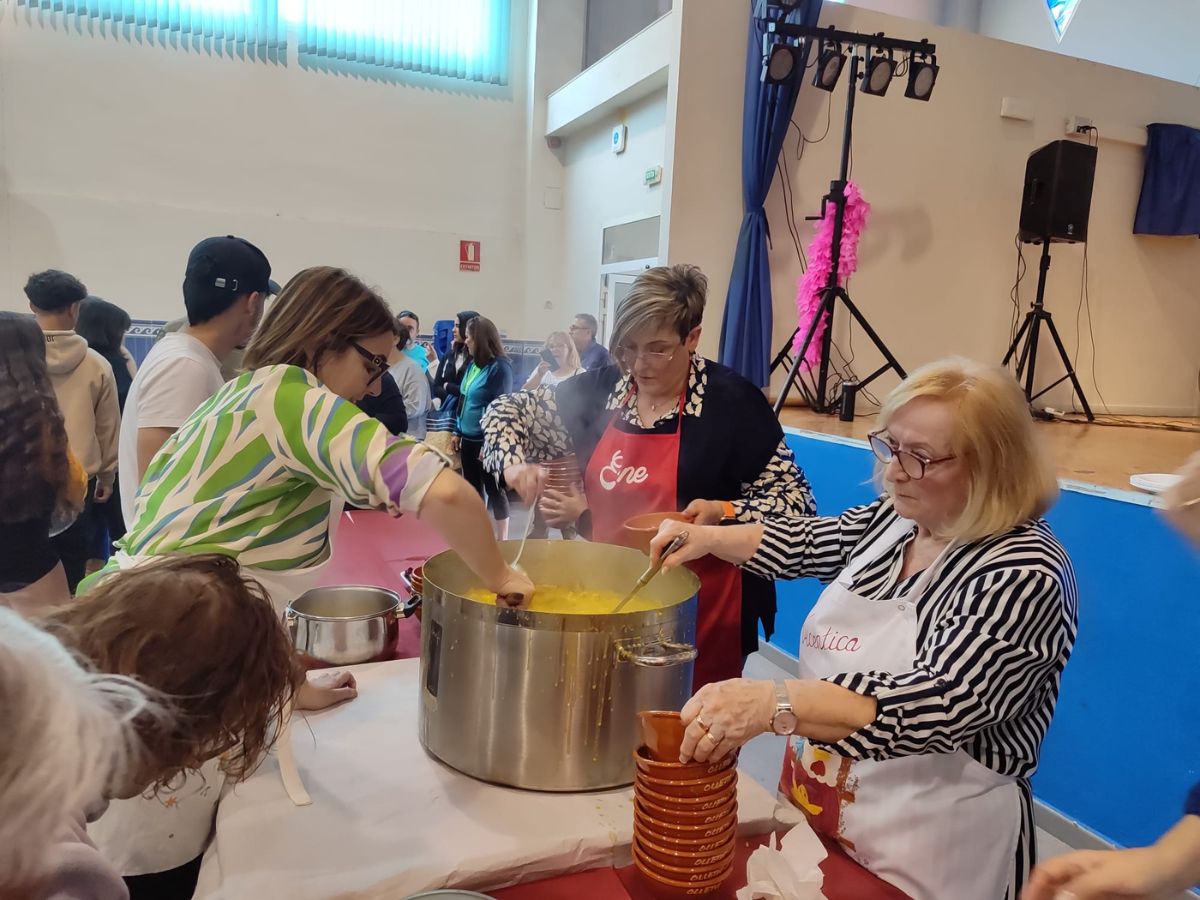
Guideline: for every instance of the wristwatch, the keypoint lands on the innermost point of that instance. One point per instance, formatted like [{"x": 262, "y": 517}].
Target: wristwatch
[{"x": 784, "y": 721}]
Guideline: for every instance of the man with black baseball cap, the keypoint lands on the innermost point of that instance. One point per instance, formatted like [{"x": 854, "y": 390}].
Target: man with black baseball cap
[{"x": 225, "y": 287}]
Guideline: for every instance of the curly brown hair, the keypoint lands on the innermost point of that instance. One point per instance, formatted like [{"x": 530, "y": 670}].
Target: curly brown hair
[
  {"x": 33, "y": 439},
  {"x": 203, "y": 634},
  {"x": 321, "y": 310}
]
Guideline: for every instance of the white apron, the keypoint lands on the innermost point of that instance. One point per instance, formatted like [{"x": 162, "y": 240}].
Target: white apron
[
  {"x": 143, "y": 835},
  {"x": 939, "y": 826}
]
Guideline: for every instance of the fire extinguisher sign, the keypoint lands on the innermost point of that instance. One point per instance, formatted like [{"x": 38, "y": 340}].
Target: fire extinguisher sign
[{"x": 468, "y": 256}]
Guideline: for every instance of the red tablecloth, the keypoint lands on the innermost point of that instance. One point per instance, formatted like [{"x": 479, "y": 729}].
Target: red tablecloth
[
  {"x": 374, "y": 548},
  {"x": 844, "y": 880}
]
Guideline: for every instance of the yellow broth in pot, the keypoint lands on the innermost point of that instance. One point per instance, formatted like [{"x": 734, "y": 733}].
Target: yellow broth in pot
[{"x": 568, "y": 601}]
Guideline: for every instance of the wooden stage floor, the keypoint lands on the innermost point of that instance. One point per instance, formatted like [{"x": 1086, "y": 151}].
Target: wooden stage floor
[{"x": 1098, "y": 454}]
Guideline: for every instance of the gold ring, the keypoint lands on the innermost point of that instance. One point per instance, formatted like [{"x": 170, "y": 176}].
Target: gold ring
[
  {"x": 709, "y": 735},
  {"x": 702, "y": 723}
]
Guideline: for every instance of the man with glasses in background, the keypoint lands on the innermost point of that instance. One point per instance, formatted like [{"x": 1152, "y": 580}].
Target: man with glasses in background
[{"x": 583, "y": 330}]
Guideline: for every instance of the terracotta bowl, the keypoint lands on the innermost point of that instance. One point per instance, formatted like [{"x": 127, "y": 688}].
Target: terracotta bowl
[
  {"x": 640, "y": 530},
  {"x": 684, "y": 873},
  {"x": 669, "y": 888},
  {"x": 655, "y": 825},
  {"x": 702, "y": 845},
  {"x": 687, "y": 817},
  {"x": 662, "y": 734},
  {"x": 685, "y": 804},
  {"x": 684, "y": 859},
  {"x": 677, "y": 771},
  {"x": 692, "y": 789}
]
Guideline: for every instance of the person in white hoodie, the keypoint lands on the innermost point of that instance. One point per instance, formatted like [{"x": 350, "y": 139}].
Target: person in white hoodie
[{"x": 87, "y": 395}]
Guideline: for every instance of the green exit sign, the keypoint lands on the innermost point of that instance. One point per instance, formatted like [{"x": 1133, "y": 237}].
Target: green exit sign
[{"x": 652, "y": 176}]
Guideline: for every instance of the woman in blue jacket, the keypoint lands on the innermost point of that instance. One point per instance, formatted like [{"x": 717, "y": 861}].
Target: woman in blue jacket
[{"x": 488, "y": 376}]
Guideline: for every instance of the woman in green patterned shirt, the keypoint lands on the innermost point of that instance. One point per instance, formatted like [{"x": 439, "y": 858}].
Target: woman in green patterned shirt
[{"x": 260, "y": 471}]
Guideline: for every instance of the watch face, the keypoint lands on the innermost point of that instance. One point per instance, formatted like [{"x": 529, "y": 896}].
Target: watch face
[{"x": 784, "y": 722}]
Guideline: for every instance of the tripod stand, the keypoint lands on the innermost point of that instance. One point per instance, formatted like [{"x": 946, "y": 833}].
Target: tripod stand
[
  {"x": 1029, "y": 330},
  {"x": 818, "y": 398}
]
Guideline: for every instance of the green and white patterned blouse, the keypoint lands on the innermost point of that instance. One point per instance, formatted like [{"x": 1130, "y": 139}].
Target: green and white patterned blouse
[{"x": 252, "y": 473}]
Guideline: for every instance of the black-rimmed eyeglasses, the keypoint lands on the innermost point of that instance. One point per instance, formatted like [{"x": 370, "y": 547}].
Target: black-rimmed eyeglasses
[
  {"x": 914, "y": 466},
  {"x": 379, "y": 362}
]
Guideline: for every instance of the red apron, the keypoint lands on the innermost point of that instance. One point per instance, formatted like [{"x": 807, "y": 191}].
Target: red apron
[{"x": 630, "y": 474}]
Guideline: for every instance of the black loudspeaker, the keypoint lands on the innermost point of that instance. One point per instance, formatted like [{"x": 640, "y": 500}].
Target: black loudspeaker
[{"x": 1058, "y": 193}]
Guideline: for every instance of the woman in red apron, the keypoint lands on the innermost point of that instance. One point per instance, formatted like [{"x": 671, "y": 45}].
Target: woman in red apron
[{"x": 664, "y": 430}]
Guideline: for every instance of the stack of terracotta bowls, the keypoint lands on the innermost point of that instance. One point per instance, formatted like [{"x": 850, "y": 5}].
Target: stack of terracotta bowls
[
  {"x": 563, "y": 474},
  {"x": 685, "y": 814}
]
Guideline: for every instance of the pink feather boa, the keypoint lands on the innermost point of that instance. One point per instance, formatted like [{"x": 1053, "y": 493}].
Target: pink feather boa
[{"x": 820, "y": 262}]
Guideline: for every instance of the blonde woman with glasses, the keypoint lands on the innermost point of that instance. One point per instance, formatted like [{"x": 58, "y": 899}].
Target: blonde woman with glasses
[
  {"x": 930, "y": 665},
  {"x": 663, "y": 430}
]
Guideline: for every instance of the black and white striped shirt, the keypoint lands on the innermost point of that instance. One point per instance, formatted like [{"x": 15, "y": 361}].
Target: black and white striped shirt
[{"x": 994, "y": 632}]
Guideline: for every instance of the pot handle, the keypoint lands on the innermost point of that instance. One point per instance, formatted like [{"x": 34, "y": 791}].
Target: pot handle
[
  {"x": 656, "y": 654},
  {"x": 408, "y": 607},
  {"x": 289, "y": 621},
  {"x": 406, "y": 577}
]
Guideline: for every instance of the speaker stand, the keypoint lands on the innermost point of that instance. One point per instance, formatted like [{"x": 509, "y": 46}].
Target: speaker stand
[{"x": 1030, "y": 331}]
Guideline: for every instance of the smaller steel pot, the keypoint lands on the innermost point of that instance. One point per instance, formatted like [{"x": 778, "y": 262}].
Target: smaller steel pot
[{"x": 348, "y": 624}]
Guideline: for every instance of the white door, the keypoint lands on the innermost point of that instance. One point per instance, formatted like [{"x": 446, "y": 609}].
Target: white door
[{"x": 616, "y": 287}]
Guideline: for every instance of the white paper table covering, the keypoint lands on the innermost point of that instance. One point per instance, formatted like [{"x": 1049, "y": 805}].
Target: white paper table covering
[{"x": 387, "y": 820}]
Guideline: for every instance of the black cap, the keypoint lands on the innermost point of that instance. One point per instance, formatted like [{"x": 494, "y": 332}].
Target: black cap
[{"x": 221, "y": 269}]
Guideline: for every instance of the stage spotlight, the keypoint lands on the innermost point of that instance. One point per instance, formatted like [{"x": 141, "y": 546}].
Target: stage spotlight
[
  {"x": 829, "y": 66},
  {"x": 878, "y": 76},
  {"x": 921, "y": 77},
  {"x": 783, "y": 60}
]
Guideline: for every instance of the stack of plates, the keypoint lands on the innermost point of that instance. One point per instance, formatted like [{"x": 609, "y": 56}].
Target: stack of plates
[
  {"x": 685, "y": 823},
  {"x": 563, "y": 474}
]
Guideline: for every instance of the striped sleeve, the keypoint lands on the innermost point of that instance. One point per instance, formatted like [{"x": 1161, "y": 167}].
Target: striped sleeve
[
  {"x": 992, "y": 656},
  {"x": 327, "y": 440},
  {"x": 523, "y": 427},
  {"x": 815, "y": 547},
  {"x": 780, "y": 490}
]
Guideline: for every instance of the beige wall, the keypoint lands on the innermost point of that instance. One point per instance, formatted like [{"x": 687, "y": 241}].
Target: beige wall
[
  {"x": 702, "y": 205},
  {"x": 601, "y": 189},
  {"x": 116, "y": 157},
  {"x": 944, "y": 179}
]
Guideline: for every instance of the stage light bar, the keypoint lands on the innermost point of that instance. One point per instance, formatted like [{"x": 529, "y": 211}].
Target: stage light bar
[
  {"x": 922, "y": 74},
  {"x": 830, "y": 63},
  {"x": 878, "y": 76},
  {"x": 783, "y": 62}
]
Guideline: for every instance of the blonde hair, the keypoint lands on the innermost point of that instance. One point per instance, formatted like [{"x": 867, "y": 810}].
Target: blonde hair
[
  {"x": 321, "y": 310},
  {"x": 573, "y": 362},
  {"x": 1010, "y": 476},
  {"x": 665, "y": 296},
  {"x": 68, "y": 734}
]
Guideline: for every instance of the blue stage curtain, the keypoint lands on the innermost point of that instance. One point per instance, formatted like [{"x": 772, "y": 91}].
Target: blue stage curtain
[
  {"x": 1170, "y": 201},
  {"x": 746, "y": 326}
]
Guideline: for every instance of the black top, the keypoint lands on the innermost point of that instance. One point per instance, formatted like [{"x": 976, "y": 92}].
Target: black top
[
  {"x": 447, "y": 380},
  {"x": 731, "y": 448},
  {"x": 121, "y": 373},
  {"x": 28, "y": 553},
  {"x": 388, "y": 407}
]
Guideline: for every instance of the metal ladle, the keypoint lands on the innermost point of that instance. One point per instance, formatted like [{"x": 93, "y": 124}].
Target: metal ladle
[{"x": 653, "y": 570}]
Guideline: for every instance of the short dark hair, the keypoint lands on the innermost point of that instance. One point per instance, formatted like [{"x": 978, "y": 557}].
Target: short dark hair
[
  {"x": 102, "y": 325},
  {"x": 403, "y": 333},
  {"x": 54, "y": 290},
  {"x": 409, "y": 314}
]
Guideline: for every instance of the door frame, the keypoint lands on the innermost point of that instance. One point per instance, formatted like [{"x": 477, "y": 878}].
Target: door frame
[{"x": 620, "y": 272}]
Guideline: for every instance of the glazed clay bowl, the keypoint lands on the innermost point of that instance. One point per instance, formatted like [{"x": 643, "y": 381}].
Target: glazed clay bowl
[
  {"x": 713, "y": 803},
  {"x": 639, "y": 531},
  {"x": 691, "y": 789},
  {"x": 684, "y": 873},
  {"x": 684, "y": 859},
  {"x": 677, "y": 771},
  {"x": 687, "y": 817},
  {"x": 669, "y": 888},
  {"x": 662, "y": 734},
  {"x": 652, "y": 824},
  {"x": 701, "y": 846}
]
